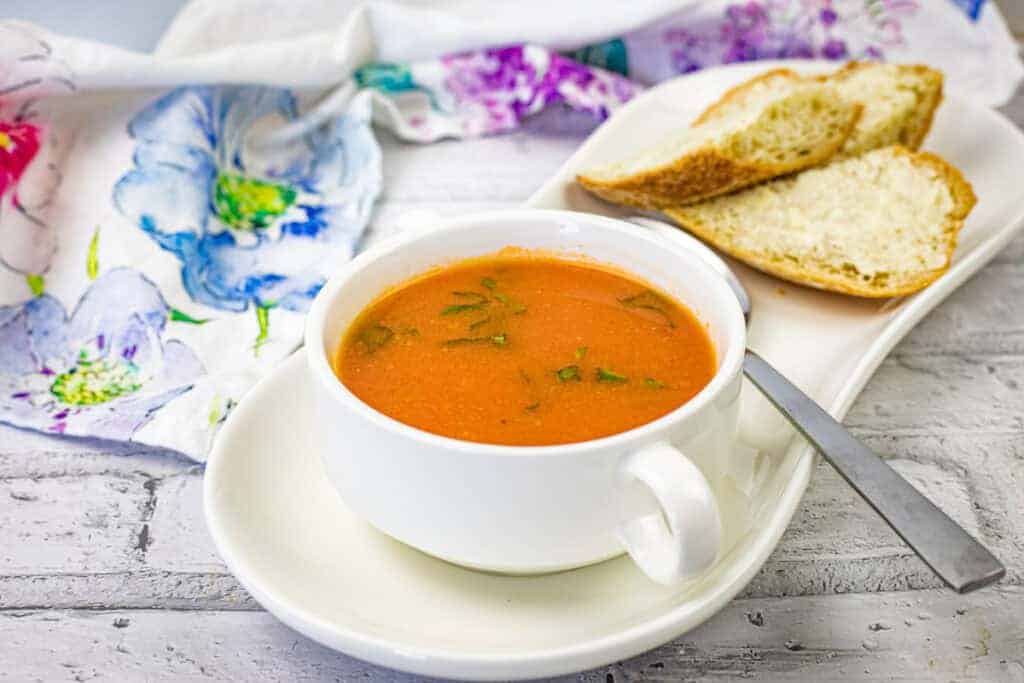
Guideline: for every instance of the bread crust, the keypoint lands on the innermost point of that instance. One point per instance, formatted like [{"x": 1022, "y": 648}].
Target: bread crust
[
  {"x": 923, "y": 117},
  {"x": 964, "y": 200},
  {"x": 738, "y": 90},
  {"x": 925, "y": 113},
  {"x": 709, "y": 172},
  {"x": 705, "y": 173},
  {"x": 929, "y": 106}
]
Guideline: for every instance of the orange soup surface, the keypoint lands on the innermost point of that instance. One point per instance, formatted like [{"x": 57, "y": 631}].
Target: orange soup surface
[{"x": 525, "y": 349}]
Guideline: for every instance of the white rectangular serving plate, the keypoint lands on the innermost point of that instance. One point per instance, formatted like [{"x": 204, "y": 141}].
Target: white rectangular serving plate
[{"x": 828, "y": 344}]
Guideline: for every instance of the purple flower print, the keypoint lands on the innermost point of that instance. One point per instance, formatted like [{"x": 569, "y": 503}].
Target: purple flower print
[
  {"x": 494, "y": 90},
  {"x": 103, "y": 371},
  {"x": 834, "y": 49},
  {"x": 777, "y": 29},
  {"x": 744, "y": 32}
]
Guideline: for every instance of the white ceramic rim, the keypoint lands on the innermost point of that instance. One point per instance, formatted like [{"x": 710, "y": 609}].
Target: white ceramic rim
[{"x": 729, "y": 367}]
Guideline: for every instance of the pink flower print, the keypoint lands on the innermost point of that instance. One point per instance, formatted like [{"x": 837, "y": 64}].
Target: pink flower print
[
  {"x": 29, "y": 152},
  {"x": 28, "y": 184},
  {"x": 19, "y": 144}
]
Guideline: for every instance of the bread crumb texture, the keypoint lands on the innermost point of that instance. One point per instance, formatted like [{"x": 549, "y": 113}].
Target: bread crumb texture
[
  {"x": 899, "y": 102},
  {"x": 877, "y": 225}
]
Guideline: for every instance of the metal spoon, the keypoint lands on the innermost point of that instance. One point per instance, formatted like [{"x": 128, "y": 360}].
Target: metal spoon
[{"x": 951, "y": 552}]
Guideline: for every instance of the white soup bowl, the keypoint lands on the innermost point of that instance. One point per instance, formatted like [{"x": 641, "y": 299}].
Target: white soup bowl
[{"x": 650, "y": 491}]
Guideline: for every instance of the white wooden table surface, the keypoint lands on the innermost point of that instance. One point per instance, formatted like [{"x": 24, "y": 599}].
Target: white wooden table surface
[{"x": 106, "y": 568}]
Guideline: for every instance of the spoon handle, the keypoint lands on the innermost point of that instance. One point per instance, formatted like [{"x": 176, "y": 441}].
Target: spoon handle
[{"x": 951, "y": 552}]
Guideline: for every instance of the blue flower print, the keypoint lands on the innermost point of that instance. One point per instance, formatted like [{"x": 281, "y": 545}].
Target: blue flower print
[
  {"x": 251, "y": 226},
  {"x": 103, "y": 371}
]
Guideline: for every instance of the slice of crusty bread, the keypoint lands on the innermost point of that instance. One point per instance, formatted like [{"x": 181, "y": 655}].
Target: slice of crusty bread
[
  {"x": 878, "y": 225},
  {"x": 899, "y": 101},
  {"x": 767, "y": 133}
]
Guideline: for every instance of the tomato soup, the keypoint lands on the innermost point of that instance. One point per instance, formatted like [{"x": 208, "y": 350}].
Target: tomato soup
[{"x": 522, "y": 349}]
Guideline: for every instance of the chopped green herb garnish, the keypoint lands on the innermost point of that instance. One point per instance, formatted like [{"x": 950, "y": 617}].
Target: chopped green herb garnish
[
  {"x": 609, "y": 376},
  {"x": 455, "y": 309},
  {"x": 532, "y": 407},
  {"x": 581, "y": 352},
  {"x": 489, "y": 283},
  {"x": 497, "y": 340},
  {"x": 477, "y": 323},
  {"x": 476, "y": 302},
  {"x": 375, "y": 336},
  {"x": 570, "y": 373},
  {"x": 653, "y": 383},
  {"x": 517, "y": 308},
  {"x": 649, "y": 301},
  {"x": 477, "y": 297}
]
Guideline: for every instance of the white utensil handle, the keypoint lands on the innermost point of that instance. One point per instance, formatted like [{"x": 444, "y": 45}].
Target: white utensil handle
[{"x": 682, "y": 538}]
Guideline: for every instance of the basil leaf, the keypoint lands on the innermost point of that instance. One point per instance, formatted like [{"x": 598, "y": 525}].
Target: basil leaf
[
  {"x": 649, "y": 301},
  {"x": 476, "y": 297},
  {"x": 604, "y": 375},
  {"x": 570, "y": 373},
  {"x": 455, "y": 309},
  {"x": 497, "y": 340},
  {"x": 375, "y": 336}
]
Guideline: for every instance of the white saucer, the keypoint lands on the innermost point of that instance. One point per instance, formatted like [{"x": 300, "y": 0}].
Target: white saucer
[
  {"x": 292, "y": 543},
  {"x": 290, "y": 540}
]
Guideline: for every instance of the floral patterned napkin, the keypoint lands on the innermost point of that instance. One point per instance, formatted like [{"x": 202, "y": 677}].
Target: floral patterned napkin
[{"x": 157, "y": 253}]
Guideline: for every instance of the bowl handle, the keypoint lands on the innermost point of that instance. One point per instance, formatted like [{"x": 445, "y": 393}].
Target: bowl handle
[{"x": 682, "y": 536}]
